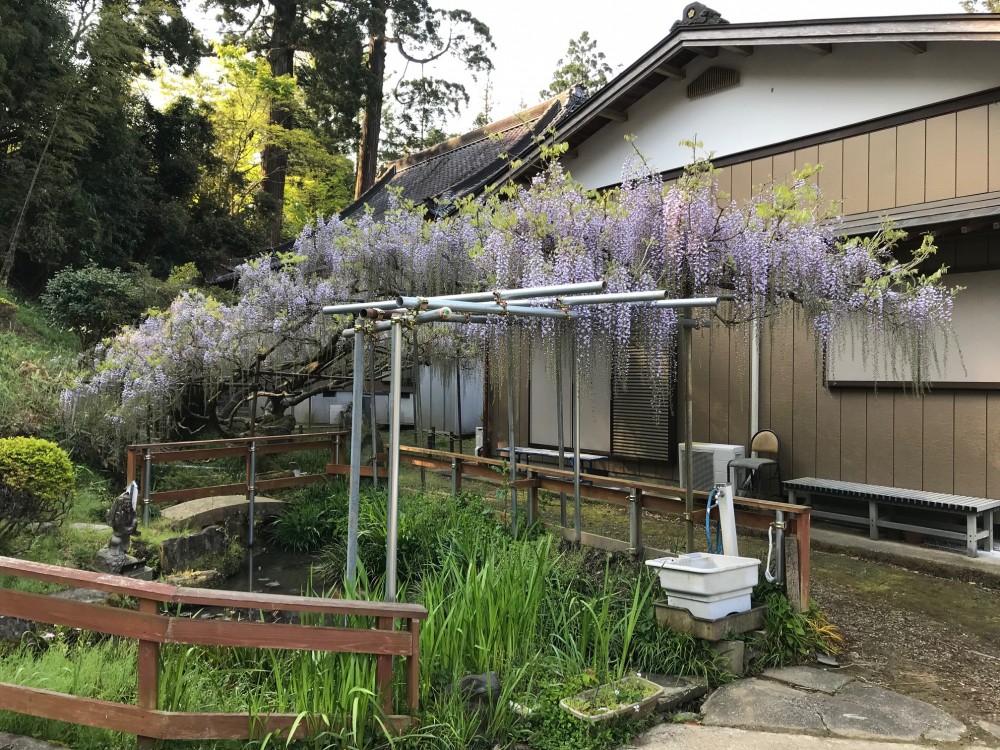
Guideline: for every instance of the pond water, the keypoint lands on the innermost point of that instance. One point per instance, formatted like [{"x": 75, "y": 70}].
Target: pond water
[{"x": 273, "y": 572}]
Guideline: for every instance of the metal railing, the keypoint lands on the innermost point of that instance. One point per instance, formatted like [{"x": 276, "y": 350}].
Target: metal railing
[{"x": 151, "y": 628}]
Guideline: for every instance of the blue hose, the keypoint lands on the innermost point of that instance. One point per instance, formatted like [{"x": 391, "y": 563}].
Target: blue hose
[{"x": 717, "y": 547}]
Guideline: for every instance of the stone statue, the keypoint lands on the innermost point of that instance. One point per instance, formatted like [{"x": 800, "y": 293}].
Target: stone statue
[{"x": 123, "y": 521}]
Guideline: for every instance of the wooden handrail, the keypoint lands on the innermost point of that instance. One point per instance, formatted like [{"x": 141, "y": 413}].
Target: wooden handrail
[
  {"x": 169, "y": 594},
  {"x": 152, "y": 628}
]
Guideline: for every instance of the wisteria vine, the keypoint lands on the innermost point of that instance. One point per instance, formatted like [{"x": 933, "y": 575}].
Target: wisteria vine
[{"x": 686, "y": 238}]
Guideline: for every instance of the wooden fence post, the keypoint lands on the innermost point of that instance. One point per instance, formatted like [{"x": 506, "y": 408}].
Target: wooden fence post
[
  {"x": 383, "y": 671},
  {"x": 532, "y": 499},
  {"x": 456, "y": 476},
  {"x": 635, "y": 522},
  {"x": 413, "y": 670},
  {"x": 149, "y": 675}
]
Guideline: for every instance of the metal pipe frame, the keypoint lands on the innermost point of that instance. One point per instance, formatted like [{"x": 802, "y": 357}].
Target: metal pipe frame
[
  {"x": 252, "y": 489},
  {"x": 356, "y": 307},
  {"x": 561, "y": 433},
  {"x": 392, "y": 521},
  {"x": 577, "y": 520},
  {"x": 354, "y": 499},
  {"x": 690, "y": 302},
  {"x": 483, "y": 308},
  {"x": 527, "y": 292},
  {"x": 615, "y": 297},
  {"x": 417, "y": 412},
  {"x": 511, "y": 452}
]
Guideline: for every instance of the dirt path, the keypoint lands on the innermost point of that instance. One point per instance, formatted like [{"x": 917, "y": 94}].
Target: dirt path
[{"x": 928, "y": 637}]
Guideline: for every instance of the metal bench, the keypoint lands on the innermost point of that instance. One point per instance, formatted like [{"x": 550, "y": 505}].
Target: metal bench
[{"x": 973, "y": 508}]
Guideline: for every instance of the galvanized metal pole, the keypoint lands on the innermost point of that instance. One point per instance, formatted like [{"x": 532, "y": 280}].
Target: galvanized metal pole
[
  {"x": 688, "y": 432},
  {"x": 511, "y": 452},
  {"x": 779, "y": 546},
  {"x": 458, "y": 399},
  {"x": 354, "y": 500},
  {"x": 417, "y": 412},
  {"x": 252, "y": 488},
  {"x": 577, "y": 520},
  {"x": 392, "y": 522},
  {"x": 374, "y": 418},
  {"x": 147, "y": 482},
  {"x": 561, "y": 433}
]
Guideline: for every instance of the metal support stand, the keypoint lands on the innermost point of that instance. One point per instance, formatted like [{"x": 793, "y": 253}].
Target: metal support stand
[
  {"x": 458, "y": 400},
  {"x": 511, "y": 453},
  {"x": 251, "y": 488},
  {"x": 418, "y": 418},
  {"x": 577, "y": 520},
  {"x": 779, "y": 544},
  {"x": 562, "y": 437},
  {"x": 147, "y": 483},
  {"x": 354, "y": 500},
  {"x": 374, "y": 417},
  {"x": 392, "y": 523},
  {"x": 688, "y": 433}
]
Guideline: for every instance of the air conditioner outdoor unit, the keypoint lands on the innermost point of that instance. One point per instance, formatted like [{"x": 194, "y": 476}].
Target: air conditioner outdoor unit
[{"x": 709, "y": 463}]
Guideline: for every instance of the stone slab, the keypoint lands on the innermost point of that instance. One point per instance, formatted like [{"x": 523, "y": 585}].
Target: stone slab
[
  {"x": 809, "y": 678},
  {"x": 856, "y": 711},
  {"x": 889, "y": 715},
  {"x": 682, "y": 621},
  {"x": 677, "y": 690},
  {"x": 217, "y": 511},
  {"x": 989, "y": 726},
  {"x": 761, "y": 704},
  {"x": 694, "y": 737},
  {"x": 14, "y": 742}
]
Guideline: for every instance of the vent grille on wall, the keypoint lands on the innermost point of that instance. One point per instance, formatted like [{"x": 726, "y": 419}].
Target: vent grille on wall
[{"x": 712, "y": 81}]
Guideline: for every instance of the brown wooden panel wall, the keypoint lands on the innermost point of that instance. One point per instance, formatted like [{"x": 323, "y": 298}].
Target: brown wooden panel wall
[{"x": 947, "y": 440}]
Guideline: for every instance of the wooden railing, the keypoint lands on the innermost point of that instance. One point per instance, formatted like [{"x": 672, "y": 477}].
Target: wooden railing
[
  {"x": 794, "y": 521},
  {"x": 151, "y": 628},
  {"x": 141, "y": 458}
]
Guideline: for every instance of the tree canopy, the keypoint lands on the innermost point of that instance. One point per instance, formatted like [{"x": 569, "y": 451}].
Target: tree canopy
[
  {"x": 583, "y": 65},
  {"x": 337, "y": 53},
  {"x": 202, "y": 359}
]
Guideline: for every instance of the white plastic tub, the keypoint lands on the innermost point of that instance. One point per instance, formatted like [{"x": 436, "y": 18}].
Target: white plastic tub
[{"x": 708, "y": 586}]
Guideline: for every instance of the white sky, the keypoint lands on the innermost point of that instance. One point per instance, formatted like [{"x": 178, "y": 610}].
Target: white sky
[{"x": 531, "y": 35}]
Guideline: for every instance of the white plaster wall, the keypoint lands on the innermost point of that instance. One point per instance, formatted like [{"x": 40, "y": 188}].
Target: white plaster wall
[{"x": 784, "y": 93}]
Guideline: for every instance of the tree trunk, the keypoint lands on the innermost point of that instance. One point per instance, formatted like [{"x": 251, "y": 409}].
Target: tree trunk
[
  {"x": 372, "y": 123},
  {"x": 274, "y": 159}
]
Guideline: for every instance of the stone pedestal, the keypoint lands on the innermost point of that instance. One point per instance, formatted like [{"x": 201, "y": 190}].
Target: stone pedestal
[{"x": 715, "y": 631}]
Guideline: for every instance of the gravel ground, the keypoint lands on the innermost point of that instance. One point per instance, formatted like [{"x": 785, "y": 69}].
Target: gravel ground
[{"x": 932, "y": 638}]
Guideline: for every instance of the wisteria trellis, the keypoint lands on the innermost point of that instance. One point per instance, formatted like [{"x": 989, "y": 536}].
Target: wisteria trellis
[{"x": 687, "y": 239}]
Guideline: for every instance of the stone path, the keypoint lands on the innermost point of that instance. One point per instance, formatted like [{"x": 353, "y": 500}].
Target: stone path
[{"x": 806, "y": 707}]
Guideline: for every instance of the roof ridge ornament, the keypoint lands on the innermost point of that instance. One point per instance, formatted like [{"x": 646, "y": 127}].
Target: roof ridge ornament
[{"x": 699, "y": 14}]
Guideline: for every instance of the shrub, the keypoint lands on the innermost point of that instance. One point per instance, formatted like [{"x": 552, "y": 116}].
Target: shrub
[
  {"x": 93, "y": 302},
  {"x": 36, "y": 483}
]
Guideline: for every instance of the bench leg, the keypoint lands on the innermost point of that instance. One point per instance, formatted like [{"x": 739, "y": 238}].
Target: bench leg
[
  {"x": 872, "y": 519},
  {"x": 989, "y": 528},
  {"x": 972, "y": 527}
]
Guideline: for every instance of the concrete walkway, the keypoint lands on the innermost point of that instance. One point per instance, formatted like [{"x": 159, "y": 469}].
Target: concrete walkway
[{"x": 806, "y": 707}]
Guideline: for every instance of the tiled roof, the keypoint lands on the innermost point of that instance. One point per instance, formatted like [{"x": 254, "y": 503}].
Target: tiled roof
[{"x": 460, "y": 165}]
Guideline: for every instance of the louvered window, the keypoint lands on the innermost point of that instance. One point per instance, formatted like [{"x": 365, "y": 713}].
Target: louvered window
[{"x": 635, "y": 430}]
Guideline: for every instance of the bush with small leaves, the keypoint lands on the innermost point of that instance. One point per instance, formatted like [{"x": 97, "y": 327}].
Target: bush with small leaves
[{"x": 36, "y": 485}]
